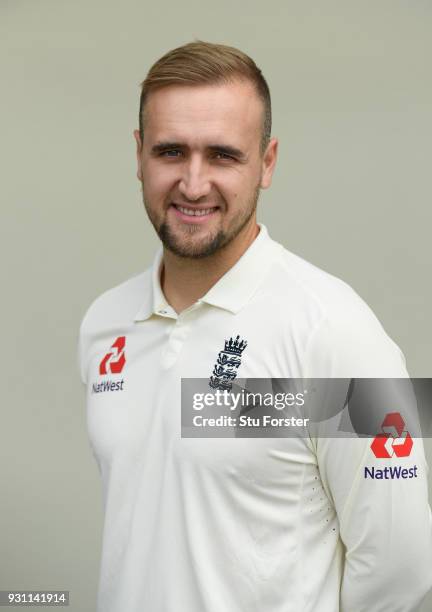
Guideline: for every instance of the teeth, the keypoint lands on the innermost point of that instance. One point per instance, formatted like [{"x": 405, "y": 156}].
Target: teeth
[{"x": 195, "y": 213}]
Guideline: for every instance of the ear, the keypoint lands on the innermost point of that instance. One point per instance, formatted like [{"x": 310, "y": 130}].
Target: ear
[
  {"x": 269, "y": 162},
  {"x": 138, "y": 153}
]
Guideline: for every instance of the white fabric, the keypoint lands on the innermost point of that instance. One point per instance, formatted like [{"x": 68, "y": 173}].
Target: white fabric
[{"x": 256, "y": 525}]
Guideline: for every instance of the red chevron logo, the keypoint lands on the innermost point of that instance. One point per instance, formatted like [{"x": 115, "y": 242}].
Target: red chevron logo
[
  {"x": 115, "y": 359},
  {"x": 393, "y": 439}
]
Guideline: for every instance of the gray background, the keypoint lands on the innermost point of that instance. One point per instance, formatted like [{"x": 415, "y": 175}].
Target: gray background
[{"x": 352, "y": 99}]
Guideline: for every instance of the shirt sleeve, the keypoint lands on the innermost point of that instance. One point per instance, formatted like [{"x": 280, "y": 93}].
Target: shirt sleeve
[
  {"x": 384, "y": 524},
  {"x": 382, "y": 503}
]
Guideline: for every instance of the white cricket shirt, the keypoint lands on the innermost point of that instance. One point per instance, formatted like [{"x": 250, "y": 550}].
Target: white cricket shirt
[{"x": 246, "y": 524}]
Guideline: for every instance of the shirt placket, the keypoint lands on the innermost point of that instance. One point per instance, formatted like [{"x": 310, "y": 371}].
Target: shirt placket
[{"x": 177, "y": 332}]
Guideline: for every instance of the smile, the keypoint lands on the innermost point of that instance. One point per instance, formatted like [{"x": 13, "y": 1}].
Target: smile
[{"x": 195, "y": 212}]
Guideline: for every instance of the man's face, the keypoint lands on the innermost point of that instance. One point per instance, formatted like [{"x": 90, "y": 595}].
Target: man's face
[{"x": 200, "y": 164}]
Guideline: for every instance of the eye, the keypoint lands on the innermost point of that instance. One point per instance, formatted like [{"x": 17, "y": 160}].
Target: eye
[
  {"x": 224, "y": 156},
  {"x": 168, "y": 151}
]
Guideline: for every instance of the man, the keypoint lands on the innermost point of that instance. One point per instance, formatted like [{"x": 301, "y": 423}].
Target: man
[{"x": 274, "y": 524}]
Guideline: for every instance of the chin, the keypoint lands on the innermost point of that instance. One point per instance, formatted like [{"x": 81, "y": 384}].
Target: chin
[{"x": 193, "y": 247}]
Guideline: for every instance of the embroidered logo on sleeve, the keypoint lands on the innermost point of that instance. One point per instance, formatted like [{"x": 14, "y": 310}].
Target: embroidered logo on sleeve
[{"x": 393, "y": 440}]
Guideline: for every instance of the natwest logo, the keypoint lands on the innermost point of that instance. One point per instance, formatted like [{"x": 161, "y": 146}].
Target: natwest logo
[
  {"x": 115, "y": 359},
  {"x": 393, "y": 439}
]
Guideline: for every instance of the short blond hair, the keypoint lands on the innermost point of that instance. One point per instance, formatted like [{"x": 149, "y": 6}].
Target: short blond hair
[{"x": 199, "y": 63}]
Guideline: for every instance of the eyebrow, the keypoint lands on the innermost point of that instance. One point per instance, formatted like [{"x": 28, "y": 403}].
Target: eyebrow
[{"x": 216, "y": 148}]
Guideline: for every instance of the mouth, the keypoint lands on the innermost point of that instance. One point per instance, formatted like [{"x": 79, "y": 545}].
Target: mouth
[{"x": 194, "y": 213}]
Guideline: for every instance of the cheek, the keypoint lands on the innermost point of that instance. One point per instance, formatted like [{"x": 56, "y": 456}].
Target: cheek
[
  {"x": 156, "y": 182},
  {"x": 237, "y": 187}
]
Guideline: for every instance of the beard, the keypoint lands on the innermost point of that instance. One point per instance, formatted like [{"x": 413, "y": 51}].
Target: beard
[{"x": 189, "y": 246}]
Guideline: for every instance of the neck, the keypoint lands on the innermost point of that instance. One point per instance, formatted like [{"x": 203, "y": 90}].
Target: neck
[{"x": 185, "y": 280}]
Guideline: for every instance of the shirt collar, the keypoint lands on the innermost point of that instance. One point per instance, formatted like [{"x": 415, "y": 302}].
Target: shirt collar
[{"x": 231, "y": 292}]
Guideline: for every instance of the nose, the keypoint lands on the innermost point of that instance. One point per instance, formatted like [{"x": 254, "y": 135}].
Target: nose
[{"x": 194, "y": 183}]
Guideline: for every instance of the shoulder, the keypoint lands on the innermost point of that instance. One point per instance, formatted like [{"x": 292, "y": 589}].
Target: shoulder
[
  {"x": 305, "y": 282},
  {"x": 110, "y": 314},
  {"x": 345, "y": 337},
  {"x": 117, "y": 306}
]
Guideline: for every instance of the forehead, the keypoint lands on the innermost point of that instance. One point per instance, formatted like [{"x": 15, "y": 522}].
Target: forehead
[{"x": 201, "y": 112}]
